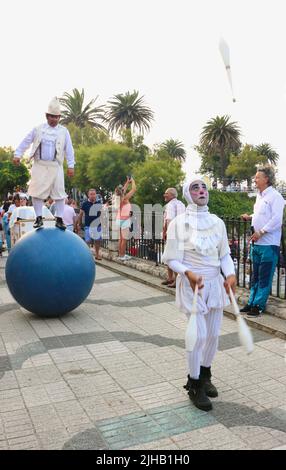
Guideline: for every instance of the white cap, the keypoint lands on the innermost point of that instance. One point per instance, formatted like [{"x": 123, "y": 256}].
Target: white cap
[
  {"x": 23, "y": 195},
  {"x": 54, "y": 107}
]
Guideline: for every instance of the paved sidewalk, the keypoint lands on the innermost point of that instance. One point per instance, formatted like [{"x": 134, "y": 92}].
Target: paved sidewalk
[{"x": 110, "y": 375}]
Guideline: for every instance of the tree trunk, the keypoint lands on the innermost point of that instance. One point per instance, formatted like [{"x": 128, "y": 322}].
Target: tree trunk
[{"x": 222, "y": 169}]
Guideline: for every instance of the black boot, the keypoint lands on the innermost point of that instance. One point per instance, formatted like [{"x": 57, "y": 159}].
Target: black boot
[
  {"x": 60, "y": 224},
  {"x": 38, "y": 222},
  {"x": 197, "y": 394},
  {"x": 205, "y": 376},
  {"x": 245, "y": 309}
]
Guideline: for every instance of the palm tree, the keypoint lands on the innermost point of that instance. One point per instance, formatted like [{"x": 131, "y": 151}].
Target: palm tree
[
  {"x": 267, "y": 151},
  {"x": 175, "y": 149},
  {"x": 219, "y": 136},
  {"x": 127, "y": 111},
  {"x": 75, "y": 111}
]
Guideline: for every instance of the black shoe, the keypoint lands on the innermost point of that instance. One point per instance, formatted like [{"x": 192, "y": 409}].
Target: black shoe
[
  {"x": 256, "y": 311},
  {"x": 38, "y": 222},
  {"x": 60, "y": 224},
  {"x": 245, "y": 309},
  {"x": 197, "y": 393},
  {"x": 205, "y": 376}
]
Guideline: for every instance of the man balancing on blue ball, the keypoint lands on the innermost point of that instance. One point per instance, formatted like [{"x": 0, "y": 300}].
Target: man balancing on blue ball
[{"x": 51, "y": 143}]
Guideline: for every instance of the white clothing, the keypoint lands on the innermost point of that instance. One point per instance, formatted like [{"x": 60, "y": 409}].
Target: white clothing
[
  {"x": 226, "y": 265},
  {"x": 27, "y": 212},
  {"x": 268, "y": 215},
  {"x": 173, "y": 208},
  {"x": 48, "y": 143},
  {"x": 47, "y": 179},
  {"x": 11, "y": 209},
  {"x": 69, "y": 215},
  {"x": 206, "y": 344},
  {"x": 197, "y": 241},
  {"x": 197, "y": 231}
]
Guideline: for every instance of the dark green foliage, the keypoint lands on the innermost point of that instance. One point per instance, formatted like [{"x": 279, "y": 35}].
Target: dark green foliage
[
  {"x": 232, "y": 204},
  {"x": 12, "y": 176},
  {"x": 128, "y": 111}
]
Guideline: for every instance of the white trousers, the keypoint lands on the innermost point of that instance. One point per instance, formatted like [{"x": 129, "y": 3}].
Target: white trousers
[
  {"x": 207, "y": 342},
  {"x": 47, "y": 179}
]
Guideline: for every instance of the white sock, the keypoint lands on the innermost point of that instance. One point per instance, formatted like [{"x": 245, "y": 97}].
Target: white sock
[
  {"x": 60, "y": 206},
  {"x": 38, "y": 206}
]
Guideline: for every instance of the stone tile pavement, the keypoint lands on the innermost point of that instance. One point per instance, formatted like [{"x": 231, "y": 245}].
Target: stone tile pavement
[{"x": 110, "y": 375}]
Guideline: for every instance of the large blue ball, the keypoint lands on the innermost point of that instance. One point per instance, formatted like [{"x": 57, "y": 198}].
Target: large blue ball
[{"x": 50, "y": 272}]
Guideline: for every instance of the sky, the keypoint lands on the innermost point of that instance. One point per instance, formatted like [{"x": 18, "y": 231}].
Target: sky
[{"x": 165, "y": 49}]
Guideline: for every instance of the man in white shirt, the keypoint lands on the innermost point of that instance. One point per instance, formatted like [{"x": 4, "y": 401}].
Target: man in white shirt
[
  {"x": 265, "y": 248},
  {"x": 173, "y": 208},
  {"x": 51, "y": 144},
  {"x": 69, "y": 216}
]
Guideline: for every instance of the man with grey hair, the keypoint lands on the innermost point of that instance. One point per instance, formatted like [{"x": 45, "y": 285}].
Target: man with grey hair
[
  {"x": 265, "y": 247},
  {"x": 173, "y": 208}
]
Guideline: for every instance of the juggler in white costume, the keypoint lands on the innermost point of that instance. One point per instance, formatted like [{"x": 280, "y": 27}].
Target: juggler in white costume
[{"x": 197, "y": 241}]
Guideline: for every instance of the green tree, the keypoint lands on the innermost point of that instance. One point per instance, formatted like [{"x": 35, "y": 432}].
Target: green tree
[
  {"x": 268, "y": 152},
  {"x": 153, "y": 177},
  {"x": 75, "y": 111},
  {"x": 6, "y": 154},
  {"x": 225, "y": 204},
  {"x": 109, "y": 164},
  {"x": 12, "y": 176},
  {"x": 128, "y": 111},
  {"x": 136, "y": 142},
  {"x": 175, "y": 149},
  {"x": 80, "y": 179},
  {"x": 210, "y": 163},
  {"x": 87, "y": 135},
  {"x": 243, "y": 166},
  {"x": 221, "y": 137}
]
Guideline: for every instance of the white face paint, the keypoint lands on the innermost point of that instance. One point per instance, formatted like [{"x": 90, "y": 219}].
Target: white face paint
[{"x": 199, "y": 193}]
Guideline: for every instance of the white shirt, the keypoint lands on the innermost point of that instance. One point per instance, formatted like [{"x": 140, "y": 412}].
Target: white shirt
[
  {"x": 69, "y": 215},
  {"x": 173, "y": 208},
  {"x": 48, "y": 144},
  {"x": 268, "y": 216},
  {"x": 28, "y": 212}
]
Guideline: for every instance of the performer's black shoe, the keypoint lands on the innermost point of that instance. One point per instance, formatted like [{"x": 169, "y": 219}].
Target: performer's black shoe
[
  {"x": 197, "y": 393},
  {"x": 38, "y": 222},
  {"x": 205, "y": 376},
  {"x": 247, "y": 308},
  {"x": 60, "y": 224},
  {"x": 256, "y": 311}
]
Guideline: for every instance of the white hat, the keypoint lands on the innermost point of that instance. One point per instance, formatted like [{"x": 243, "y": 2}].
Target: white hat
[
  {"x": 54, "y": 107},
  {"x": 23, "y": 196}
]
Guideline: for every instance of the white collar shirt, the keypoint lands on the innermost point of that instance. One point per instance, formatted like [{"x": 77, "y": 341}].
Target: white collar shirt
[
  {"x": 268, "y": 216},
  {"x": 173, "y": 208}
]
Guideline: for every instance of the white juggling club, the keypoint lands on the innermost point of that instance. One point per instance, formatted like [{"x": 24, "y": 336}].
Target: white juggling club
[
  {"x": 244, "y": 332},
  {"x": 224, "y": 50},
  {"x": 192, "y": 328}
]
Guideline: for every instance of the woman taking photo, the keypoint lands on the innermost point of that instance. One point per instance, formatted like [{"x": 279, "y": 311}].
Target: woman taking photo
[{"x": 123, "y": 214}]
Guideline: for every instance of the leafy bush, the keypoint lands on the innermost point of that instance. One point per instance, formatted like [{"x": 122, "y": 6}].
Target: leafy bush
[{"x": 230, "y": 204}]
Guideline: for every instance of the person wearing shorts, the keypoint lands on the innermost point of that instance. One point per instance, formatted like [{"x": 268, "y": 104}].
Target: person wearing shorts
[{"x": 91, "y": 210}]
